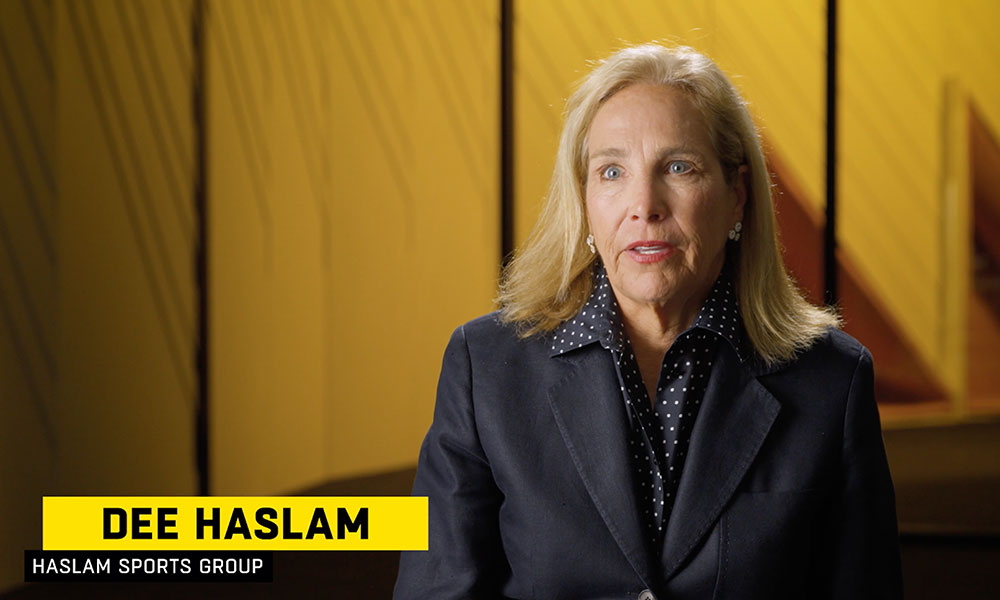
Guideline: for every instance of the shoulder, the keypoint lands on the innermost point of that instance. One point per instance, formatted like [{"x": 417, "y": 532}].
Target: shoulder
[
  {"x": 496, "y": 352},
  {"x": 831, "y": 365},
  {"x": 490, "y": 334},
  {"x": 835, "y": 350},
  {"x": 490, "y": 341},
  {"x": 488, "y": 326},
  {"x": 826, "y": 396}
]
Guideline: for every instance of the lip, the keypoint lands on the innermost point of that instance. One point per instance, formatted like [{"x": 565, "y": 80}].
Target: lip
[{"x": 656, "y": 251}]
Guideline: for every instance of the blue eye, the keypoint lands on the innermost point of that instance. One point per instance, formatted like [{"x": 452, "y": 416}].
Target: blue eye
[
  {"x": 612, "y": 172},
  {"x": 679, "y": 167}
]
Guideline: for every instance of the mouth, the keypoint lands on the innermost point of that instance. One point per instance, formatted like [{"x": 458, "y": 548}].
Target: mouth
[{"x": 649, "y": 251}]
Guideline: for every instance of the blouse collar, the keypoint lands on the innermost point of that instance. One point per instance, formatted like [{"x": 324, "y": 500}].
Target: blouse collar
[{"x": 600, "y": 318}]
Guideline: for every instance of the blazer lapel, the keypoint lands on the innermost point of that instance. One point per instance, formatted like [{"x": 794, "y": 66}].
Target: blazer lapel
[
  {"x": 735, "y": 417},
  {"x": 590, "y": 413}
]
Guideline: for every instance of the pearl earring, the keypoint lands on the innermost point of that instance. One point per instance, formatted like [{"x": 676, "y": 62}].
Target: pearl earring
[
  {"x": 734, "y": 233},
  {"x": 590, "y": 244}
]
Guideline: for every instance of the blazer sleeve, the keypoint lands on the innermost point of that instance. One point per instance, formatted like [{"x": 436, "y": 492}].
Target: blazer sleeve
[
  {"x": 858, "y": 555},
  {"x": 464, "y": 557}
]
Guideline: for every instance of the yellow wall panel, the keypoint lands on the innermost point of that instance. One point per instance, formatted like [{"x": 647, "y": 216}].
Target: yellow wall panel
[
  {"x": 355, "y": 223},
  {"x": 775, "y": 53},
  {"x": 96, "y": 264},
  {"x": 417, "y": 246},
  {"x": 974, "y": 53},
  {"x": 265, "y": 280},
  {"x": 27, "y": 280},
  {"x": 890, "y": 163},
  {"x": 126, "y": 287}
]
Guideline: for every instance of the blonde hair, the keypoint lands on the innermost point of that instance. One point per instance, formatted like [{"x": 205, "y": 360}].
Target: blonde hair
[{"x": 549, "y": 278}]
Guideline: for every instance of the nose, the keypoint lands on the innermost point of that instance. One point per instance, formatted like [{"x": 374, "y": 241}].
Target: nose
[{"x": 648, "y": 200}]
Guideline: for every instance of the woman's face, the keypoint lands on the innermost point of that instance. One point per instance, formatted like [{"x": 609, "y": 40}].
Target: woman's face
[{"x": 657, "y": 200}]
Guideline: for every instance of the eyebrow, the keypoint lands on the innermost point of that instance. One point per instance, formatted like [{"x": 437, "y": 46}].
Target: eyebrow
[
  {"x": 663, "y": 153},
  {"x": 606, "y": 153}
]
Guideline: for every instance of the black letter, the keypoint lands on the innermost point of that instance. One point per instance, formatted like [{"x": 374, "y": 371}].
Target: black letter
[
  {"x": 344, "y": 521},
  {"x": 163, "y": 522},
  {"x": 202, "y": 522},
  {"x": 240, "y": 527},
  {"x": 109, "y": 533},
  {"x": 286, "y": 521},
  {"x": 265, "y": 517},
  {"x": 138, "y": 522},
  {"x": 319, "y": 516}
]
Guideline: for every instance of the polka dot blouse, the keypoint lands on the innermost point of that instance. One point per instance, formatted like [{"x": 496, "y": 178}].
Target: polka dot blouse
[{"x": 660, "y": 430}]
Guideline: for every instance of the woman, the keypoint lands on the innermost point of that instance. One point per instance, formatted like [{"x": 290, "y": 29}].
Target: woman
[{"x": 655, "y": 411}]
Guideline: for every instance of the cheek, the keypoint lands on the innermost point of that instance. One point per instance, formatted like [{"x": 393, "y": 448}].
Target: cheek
[
  {"x": 602, "y": 217},
  {"x": 707, "y": 227}
]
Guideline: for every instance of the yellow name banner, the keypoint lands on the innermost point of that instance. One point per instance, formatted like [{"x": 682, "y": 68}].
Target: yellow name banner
[{"x": 234, "y": 523}]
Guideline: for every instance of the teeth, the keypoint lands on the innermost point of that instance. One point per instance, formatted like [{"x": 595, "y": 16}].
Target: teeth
[{"x": 648, "y": 249}]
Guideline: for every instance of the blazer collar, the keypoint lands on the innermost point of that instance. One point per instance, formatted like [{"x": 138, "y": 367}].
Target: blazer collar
[
  {"x": 736, "y": 415},
  {"x": 590, "y": 413}
]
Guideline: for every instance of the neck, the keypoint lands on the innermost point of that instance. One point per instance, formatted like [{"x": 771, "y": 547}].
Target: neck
[{"x": 654, "y": 328}]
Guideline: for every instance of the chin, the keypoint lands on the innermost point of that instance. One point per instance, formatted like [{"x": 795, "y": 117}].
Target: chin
[{"x": 658, "y": 295}]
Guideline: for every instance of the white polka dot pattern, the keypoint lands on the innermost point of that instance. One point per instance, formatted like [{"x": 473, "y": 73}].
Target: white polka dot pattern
[{"x": 660, "y": 430}]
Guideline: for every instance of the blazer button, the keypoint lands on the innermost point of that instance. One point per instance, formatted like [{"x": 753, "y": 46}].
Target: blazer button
[{"x": 647, "y": 595}]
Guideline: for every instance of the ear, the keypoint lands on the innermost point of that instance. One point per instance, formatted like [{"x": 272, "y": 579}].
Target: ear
[{"x": 739, "y": 190}]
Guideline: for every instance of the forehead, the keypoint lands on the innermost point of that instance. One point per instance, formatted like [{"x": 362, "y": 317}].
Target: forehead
[{"x": 645, "y": 113}]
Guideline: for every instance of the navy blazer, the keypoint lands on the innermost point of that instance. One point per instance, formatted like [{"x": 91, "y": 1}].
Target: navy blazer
[{"x": 785, "y": 492}]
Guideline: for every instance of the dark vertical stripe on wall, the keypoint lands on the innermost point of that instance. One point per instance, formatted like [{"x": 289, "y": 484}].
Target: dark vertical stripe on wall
[
  {"x": 199, "y": 107},
  {"x": 830, "y": 229},
  {"x": 506, "y": 130}
]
